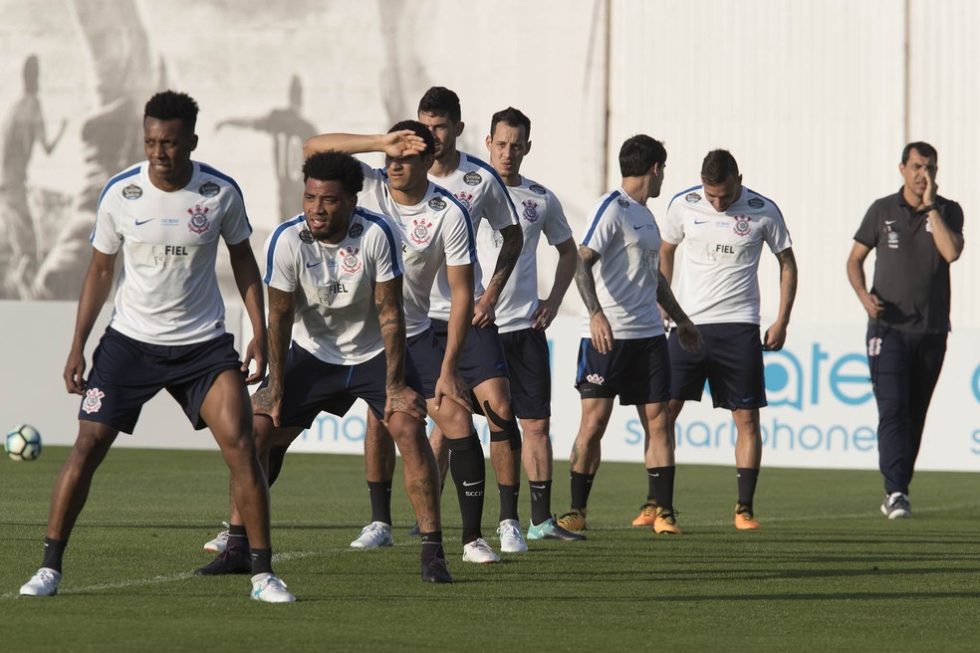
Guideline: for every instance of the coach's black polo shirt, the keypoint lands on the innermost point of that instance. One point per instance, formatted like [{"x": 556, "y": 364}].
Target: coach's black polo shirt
[{"x": 911, "y": 277}]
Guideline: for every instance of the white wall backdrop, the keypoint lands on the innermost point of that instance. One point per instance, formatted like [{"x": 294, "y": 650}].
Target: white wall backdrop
[{"x": 809, "y": 95}]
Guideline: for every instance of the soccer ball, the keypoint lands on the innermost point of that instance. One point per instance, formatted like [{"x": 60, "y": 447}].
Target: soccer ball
[{"x": 23, "y": 443}]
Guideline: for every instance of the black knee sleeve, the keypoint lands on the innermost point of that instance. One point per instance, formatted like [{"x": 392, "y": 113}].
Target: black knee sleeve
[{"x": 509, "y": 430}]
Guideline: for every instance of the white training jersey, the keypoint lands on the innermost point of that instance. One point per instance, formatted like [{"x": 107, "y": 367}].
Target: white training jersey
[
  {"x": 167, "y": 292},
  {"x": 335, "y": 317},
  {"x": 625, "y": 235},
  {"x": 539, "y": 211},
  {"x": 478, "y": 187},
  {"x": 716, "y": 278},
  {"x": 435, "y": 233}
]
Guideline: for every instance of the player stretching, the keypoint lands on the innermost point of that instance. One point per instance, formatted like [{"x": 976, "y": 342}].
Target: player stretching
[
  {"x": 724, "y": 225},
  {"x": 624, "y": 350},
  {"x": 167, "y": 330},
  {"x": 520, "y": 317}
]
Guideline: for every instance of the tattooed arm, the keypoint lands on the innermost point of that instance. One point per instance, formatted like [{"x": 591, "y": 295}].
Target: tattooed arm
[
  {"x": 510, "y": 251},
  {"x": 687, "y": 333},
  {"x": 281, "y": 308},
  {"x": 601, "y": 332},
  {"x": 776, "y": 334},
  {"x": 399, "y": 397}
]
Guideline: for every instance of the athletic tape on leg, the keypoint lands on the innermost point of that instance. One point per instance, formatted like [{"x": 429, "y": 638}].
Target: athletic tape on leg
[{"x": 509, "y": 430}]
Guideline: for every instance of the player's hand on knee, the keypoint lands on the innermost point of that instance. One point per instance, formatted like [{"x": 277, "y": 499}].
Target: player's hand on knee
[
  {"x": 451, "y": 387},
  {"x": 403, "y": 399}
]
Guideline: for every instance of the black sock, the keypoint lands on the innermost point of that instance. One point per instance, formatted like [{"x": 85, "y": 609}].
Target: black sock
[
  {"x": 747, "y": 479},
  {"x": 237, "y": 539},
  {"x": 261, "y": 561},
  {"x": 661, "y": 481},
  {"x": 54, "y": 551},
  {"x": 540, "y": 501},
  {"x": 469, "y": 472},
  {"x": 276, "y": 458},
  {"x": 432, "y": 546},
  {"x": 581, "y": 486},
  {"x": 508, "y": 500},
  {"x": 380, "y": 493}
]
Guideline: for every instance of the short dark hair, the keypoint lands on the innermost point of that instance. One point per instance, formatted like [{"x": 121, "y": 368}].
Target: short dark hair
[
  {"x": 923, "y": 148},
  {"x": 335, "y": 166},
  {"x": 639, "y": 153},
  {"x": 718, "y": 165},
  {"x": 170, "y": 105},
  {"x": 514, "y": 118},
  {"x": 420, "y": 130},
  {"x": 440, "y": 101}
]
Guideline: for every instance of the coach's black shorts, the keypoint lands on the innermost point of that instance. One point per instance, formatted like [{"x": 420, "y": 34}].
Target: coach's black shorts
[
  {"x": 529, "y": 371},
  {"x": 311, "y": 386},
  {"x": 482, "y": 357},
  {"x": 730, "y": 360},
  {"x": 426, "y": 354},
  {"x": 636, "y": 370},
  {"x": 126, "y": 373}
]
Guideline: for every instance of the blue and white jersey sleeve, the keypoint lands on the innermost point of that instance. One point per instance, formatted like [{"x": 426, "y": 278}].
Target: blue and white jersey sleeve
[
  {"x": 382, "y": 249},
  {"x": 556, "y": 228},
  {"x": 107, "y": 234},
  {"x": 498, "y": 208},
  {"x": 281, "y": 257},
  {"x": 604, "y": 228},
  {"x": 672, "y": 228},
  {"x": 235, "y": 227},
  {"x": 458, "y": 239},
  {"x": 776, "y": 234}
]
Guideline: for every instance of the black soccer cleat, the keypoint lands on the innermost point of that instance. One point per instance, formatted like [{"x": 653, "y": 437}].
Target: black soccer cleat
[
  {"x": 230, "y": 561},
  {"x": 436, "y": 571}
]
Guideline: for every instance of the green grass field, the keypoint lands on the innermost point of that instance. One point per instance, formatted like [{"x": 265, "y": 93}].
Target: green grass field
[{"x": 828, "y": 572}]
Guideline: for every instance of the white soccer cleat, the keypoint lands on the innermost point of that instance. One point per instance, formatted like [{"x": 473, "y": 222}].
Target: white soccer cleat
[
  {"x": 43, "y": 583},
  {"x": 479, "y": 551},
  {"x": 219, "y": 543},
  {"x": 511, "y": 539},
  {"x": 268, "y": 588},
  {"x": 374, "y": 535}
]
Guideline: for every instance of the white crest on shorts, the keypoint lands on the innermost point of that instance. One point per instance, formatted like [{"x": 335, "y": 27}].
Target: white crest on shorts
[
  {"x": 93, "y": 400},
  {"x": 595, "y": 379},
  {"x": 874, "y": 346}
]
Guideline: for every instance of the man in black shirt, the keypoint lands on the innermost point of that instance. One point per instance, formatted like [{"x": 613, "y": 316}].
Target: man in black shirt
[{"x": 916, "y": 234}]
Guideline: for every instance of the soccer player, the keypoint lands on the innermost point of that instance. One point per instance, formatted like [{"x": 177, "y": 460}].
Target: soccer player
[
  {"x": 521, "y": 317},
  {"x": 916, "y": 234},
  {"x": 335, "y": 290},
  {"x": 437, "y": 239},
  {"x": 623, "y": 350},
  {"x": 724, "y": 226},
  {"x": 167, "y": 215}
]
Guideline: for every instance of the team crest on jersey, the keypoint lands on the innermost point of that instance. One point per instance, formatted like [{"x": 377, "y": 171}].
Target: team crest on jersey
[
  {"x": 420, "y": 234},
  {"x": 132, "y": 192},
  {"x": 466, "y": 199},
  {"x": 306, "y": 236},
  {"x": 199, "y": 219},
  {"x": 92, "y": 403},
  {"x": 209, "y": 189},
  {"x": 595, "y": 379},
  {"x": 355, "y": 230},
  {"x": 472, "y": 178},
  {"x": 538, "y": 188},
  {"x": 437, "y": 204},
  {"x": 622, "y": 202},
  {"x": 692, "y": 198},
  {"x": 349, "y": 262},
  {"x": 742, "y": 225},
  {"x": 756, "y": 203},
  {"x": 530, "y": 210}
]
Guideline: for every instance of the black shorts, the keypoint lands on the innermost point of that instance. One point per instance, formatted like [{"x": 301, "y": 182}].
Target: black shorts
[
  {"x": 730, "y": 360},
  {"x": 127, "y": 373},
  {"x": 311, "y": 386},
  {"x": 529, "y": 371},
  {"x": 482, "y": 357},
  {"x": 636, "y": 370},
  {"x": 426, "y": 354}
]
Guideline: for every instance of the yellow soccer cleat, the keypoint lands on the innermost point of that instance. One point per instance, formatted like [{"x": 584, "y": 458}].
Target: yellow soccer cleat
[
  {"x": 744, "y": 519},
  {"x": 573, "y": 520},
  {"x": 648, "y": 515},
  {"x": 666, "y": 522}
]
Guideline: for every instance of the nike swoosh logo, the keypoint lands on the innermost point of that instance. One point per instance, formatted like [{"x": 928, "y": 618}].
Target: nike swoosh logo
[
  {"x": 889, "y": 222},
  {"x": 472, "y": 483},
  {"x": 313, "y": 265},
  {"x": 638, "y": 227},
  {"x": 539, "y": 487},
  {"x": 142, "y": 222},
  {"x": 700, "y": 221},
  {"x": 657, "y": 475}
]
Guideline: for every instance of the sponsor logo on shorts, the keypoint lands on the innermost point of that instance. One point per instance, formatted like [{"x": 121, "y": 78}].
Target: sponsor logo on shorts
[
  {"x": 756, "y": 203},
  {"x": 420, "y": 234},
  {"x": 132, "y": 192},
  {"x": 874, "y": 347},
  {"x": 209, "y": 189},
  {"x": 692, "y": 198},
  {"x": 355, "y": 230},
  {"x": 199, "y": 219},
  {"x": 349, "y": 261},
  {"x": 595, "y": 379},
  {"x": 437, "y": 204},
  {"x": 537, "y": 188},
  {"x": 472, "y": 178},
  {"x": 466, "y": 199},
  {"x": 92, "y": 403},
  {"x": 742, "y": 226},
  {"x": 530, "y": 210}
]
